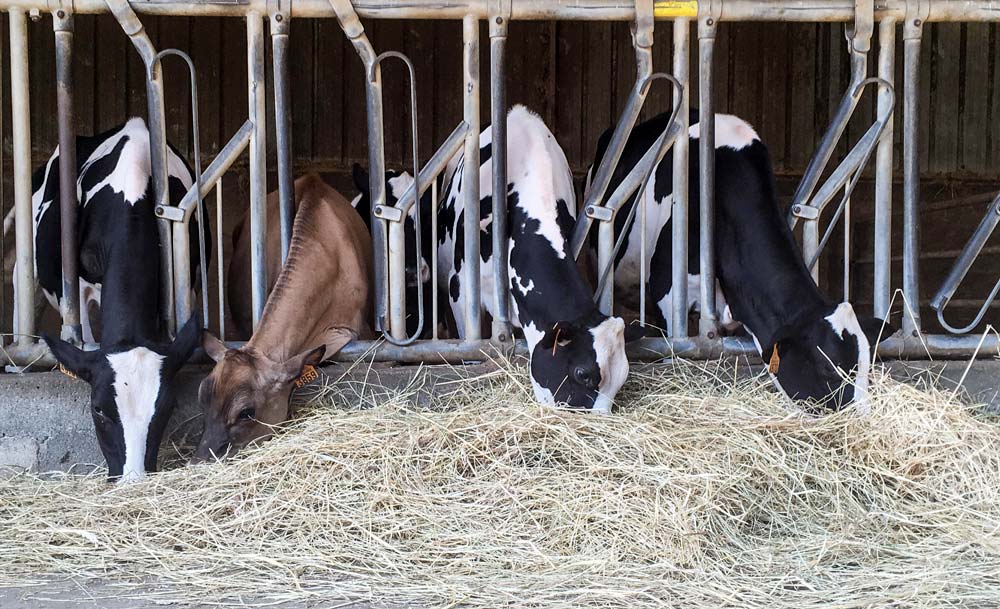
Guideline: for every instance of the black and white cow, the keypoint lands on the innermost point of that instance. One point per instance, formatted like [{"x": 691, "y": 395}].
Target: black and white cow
[
  {"x": 396, "y": 185},
  {"x": 815, "y": 344},
  {"x": 131, "y": 374},
  {"x": 577, "y": 353}
]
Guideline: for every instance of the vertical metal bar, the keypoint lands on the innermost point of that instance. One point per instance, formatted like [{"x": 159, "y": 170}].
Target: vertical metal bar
[
  {"x": 883, "y": 173},
  {"x": 21, "y": 135},
  {"x": 470, "y": 179},
  {"x": 218, "y": 261},
  {"x": 605, "y": 258},
  {"x": 69, "y": 306},
  {"x": 847, "y": 244},
  {"x": 912, "y": 33},
  {"x": 498, "y": 117},
  {"x": 679, "y": 215},
  {"x": 397, "y": 279},
  {"x": 810, "y": 245},
  {"x": 258, "y": 163},
  {"x": 434, "y": 258},
  {"x": 707, "y": 321},
  {"x": 283, "y": 124}
]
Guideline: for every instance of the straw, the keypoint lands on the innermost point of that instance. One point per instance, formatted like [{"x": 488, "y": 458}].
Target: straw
[{"x": 703, "y": 490}]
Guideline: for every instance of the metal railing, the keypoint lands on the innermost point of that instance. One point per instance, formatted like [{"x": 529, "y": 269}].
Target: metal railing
[{"x": 389, "y": 262}]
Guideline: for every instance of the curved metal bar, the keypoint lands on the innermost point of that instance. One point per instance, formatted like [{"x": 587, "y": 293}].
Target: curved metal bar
[
  {"x": 663, "y": 143},
  {"x": 849, "y": 171},
  {"x": 202, "y": 264},
  {"x": 401, "y": 288},
  {"x": 961, "y": 268}
]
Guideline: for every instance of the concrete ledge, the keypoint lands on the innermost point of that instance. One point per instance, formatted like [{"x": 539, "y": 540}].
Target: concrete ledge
[{"x": 45, "y": 423}]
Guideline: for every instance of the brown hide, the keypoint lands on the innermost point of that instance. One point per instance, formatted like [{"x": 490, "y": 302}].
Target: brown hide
[
  {"x": 321, "y": 300},
  {"x": 238, "y": 288}
]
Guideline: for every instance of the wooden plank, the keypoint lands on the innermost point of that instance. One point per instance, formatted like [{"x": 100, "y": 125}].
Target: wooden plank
[
  {"x": 388, "y": 35},
  {"x": 569, "y": 84},
  {"x": 800, "y": 134},
  {"x": 775, "y": 87},
  {"x": 355, "y": 146},
  {"x": 419, "y": 46},
  {"x": 992, "y": 126},
  {"x": 973, "y": 145},
  {"x": 926, "y": 60},
  {"x": 721, "y": 68},
  {"x": 597, "y": 110},
  {"x": 234, "y": 76},
  {"x": 206, "y": 52},
  {"x": 946, "y": 98},
  {"x": 746, "y": 65},
  {"x": 448, "y": 83},
  {"x": 113, "y": 55},
  {"x": 84, "y": 43},
  {"x": 175, "y": 32},
  {"x": 303, "y": 57},
  {"x": 327, "y": 98},
  {"x": 41, "y": 84}
]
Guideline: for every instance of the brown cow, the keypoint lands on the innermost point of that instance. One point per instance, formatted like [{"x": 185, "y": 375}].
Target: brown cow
[{"x": 320, "y": 302}]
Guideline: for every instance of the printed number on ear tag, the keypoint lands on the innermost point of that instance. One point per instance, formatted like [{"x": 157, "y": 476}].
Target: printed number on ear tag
[
  {"x": 65, "y": 371},
  {"x": 309, "y": 374},
  {"x": 775, "y": 363}
]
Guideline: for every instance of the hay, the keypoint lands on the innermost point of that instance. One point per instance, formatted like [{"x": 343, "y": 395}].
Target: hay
[{"x": 703, "y": 491}]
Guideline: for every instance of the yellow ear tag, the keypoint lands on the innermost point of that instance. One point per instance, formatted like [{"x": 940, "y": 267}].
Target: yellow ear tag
[
  {"x": 68, "y": 373},
  {"x": 309, "y": 374},
  {"x": 772, "y": 366}
]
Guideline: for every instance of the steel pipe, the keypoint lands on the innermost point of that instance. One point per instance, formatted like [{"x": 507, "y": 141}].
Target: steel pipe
[
  {"x": 20, "y": 118},
  {"x": 882, "y": 281},
  {"x": 708, "y": 318},
  {"x": 216, "y": 169},
  {"x": 256, "y": 94},
  {"x": 498, "y": 117},
  {"x": 69, "y": 305},
  {"x": 912, "y": 33},
  {"x": 679, "y": 215},
  {"x": 432, "y": 168},
  {"x": 470, "y": 178},
  {"x": 283, "y": 125}
]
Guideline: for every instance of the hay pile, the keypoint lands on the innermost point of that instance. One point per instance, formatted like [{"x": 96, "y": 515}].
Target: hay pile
[{"x": 702, "y": 491}]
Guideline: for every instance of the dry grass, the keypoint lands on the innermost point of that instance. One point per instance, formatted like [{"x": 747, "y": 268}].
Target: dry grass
[{"x": 702, "y": 491}]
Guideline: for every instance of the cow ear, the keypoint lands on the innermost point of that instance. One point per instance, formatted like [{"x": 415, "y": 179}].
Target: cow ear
[
  {"x": 360, "y": 176},
  {"x": 77, "y": 361},
  {"x": 561, "y": 331},
  {"x": 183, "y": 345},
  {"x": 214, "y": 348},
  {"x": 634, "y": 332},
  {"x": 291, "y": 369},
  {"x": 876, "y": 330}
]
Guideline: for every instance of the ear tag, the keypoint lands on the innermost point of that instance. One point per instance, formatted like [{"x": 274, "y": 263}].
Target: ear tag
[
  {"x": 309, "y": 374},
  {"x": 775, "y": 363},
  {"x": 555, "y": 343},
  {"x": 65, "y": 371}
]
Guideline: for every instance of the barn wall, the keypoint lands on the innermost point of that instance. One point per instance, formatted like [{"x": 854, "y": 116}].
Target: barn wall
[{"x": 785, "y": 79}]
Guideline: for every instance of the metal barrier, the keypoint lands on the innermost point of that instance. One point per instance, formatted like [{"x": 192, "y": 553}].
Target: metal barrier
[{"x": 389, "y": 264}]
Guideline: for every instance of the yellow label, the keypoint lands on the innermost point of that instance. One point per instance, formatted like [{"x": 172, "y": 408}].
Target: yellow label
[
  {"x": 670, "y": 8},
  {"x": 309, "y": 374},
  {"x": 775, "y": 363},
  {"x": 65, "y": 371}
]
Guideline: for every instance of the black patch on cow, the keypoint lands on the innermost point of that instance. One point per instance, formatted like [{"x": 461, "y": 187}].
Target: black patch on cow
[
  {"x": 485, "y": 154},
  {"x": 454, "y": 287}
]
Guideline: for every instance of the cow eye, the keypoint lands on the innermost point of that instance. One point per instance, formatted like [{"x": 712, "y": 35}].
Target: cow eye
[
  {"x": 247, "y": 413},
  {"x": 582, "y": 376},
  {"x": 100, "y": 411}
]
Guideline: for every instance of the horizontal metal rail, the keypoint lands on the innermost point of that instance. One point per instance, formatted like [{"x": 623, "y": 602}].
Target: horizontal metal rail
[{"x": 577, "y": 10}]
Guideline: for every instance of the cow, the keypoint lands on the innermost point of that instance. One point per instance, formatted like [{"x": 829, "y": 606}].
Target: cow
[
  {"x": 321, "y": 301},
  {"x": 577, "y": 354},
  {"x": 132, "y": 372},
  {"x": 818, "y": 350}
]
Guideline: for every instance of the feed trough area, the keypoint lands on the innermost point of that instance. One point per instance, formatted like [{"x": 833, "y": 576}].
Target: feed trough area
[{"x": 702, "y": 490}]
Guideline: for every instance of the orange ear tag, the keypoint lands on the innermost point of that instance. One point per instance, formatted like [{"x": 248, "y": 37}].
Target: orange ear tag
[
  {"x": 68, "y": 373},
  {"x": 775, "y": 363},
  {"x": 309, "y": 374},
  {"x": 555, "y": 343}
]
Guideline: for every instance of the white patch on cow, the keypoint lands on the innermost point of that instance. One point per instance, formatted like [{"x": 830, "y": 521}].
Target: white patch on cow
[
  {"x": 730, "y": 132},
  {"x": 137, "y": 384},
  {"x": 609, "y": 347},
  {"x": 131, "y": 175},
  {"x": 843, "y": 319},
  {"x": 532, "y": 335}
]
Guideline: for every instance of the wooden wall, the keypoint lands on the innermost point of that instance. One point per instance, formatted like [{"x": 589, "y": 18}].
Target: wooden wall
[{"x": 785, "y": 79}]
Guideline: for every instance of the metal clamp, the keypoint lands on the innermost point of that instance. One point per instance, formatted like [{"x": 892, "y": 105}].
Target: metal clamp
[
  {"x": 709, "y": 13},
  {"x": 917, "y": 12},
  {"x": 500, "y": 12},
  {"x": 280, "y": 16},
  {"x": 860, "y": 34}
]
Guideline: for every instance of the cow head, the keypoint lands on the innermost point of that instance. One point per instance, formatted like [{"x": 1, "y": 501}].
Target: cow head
[
  {"x": 131, "y": 396},
  {"x": 396, "y": 185},
  {"x": 826, "y": 357},
  {"x": 581, "y": 363},
  {"x": 245, "y": 396}
]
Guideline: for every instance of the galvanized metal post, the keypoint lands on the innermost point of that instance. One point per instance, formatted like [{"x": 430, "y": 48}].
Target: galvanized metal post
[
  {"x": 679, "y": 215},
  {"x": 882, "y": 290},
  {"x": 470, "y": 179},
  {"x": 498, "y": 117},
  {"x": 256, "y": 96},
  {"x": 397, "y": 279},
  {"x": 707, "y": 28},
  {"x": 69, "y": 306},
  {"x": 280, "y": 26},
  {"x": 912, "y": 34},
  {"x": 20, "y": 119}
]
